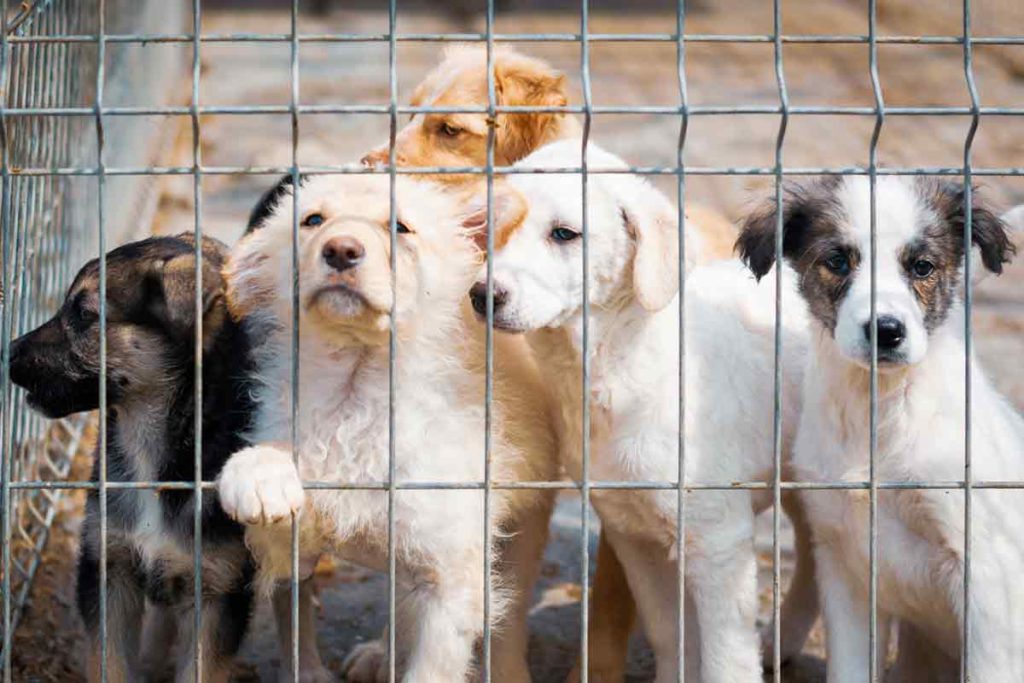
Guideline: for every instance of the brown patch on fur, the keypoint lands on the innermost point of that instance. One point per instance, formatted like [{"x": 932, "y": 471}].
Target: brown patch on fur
[
  {"x": 507, "y": 230},
  {"x": 717, "y": 234},
  {"x": 811, "y": 230},
  {"x": 461, "y": 80},
  {"x": 243, "y": 293},
  {"x": 988, "y": 232},
  {"x": 936, "y": 292}
]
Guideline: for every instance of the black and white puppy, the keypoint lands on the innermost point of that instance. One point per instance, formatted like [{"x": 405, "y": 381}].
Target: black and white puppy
[
  {"x": 922, "y": 404},
  {"x": 151, "y": 326}
]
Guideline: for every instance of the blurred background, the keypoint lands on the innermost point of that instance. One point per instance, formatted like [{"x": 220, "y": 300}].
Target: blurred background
[{"x": 47, "y": 644}]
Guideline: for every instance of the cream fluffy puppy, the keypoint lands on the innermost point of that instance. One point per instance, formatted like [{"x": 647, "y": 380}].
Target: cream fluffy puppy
[{"x": 345, "y": 307}]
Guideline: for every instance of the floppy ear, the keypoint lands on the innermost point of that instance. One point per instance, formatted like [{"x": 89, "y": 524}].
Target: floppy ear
[
  {"x": 756, "y": 243},
  {"x": 521, "y": 81},
  {"x": 652, "y": 222},
  {"x": 988, "y": 231},
  {"x": 508, "y": 210},
  {"x": 170, "y": 294},
  {"x": 248, "y": 287},
  {"x": 269, "y": 201}
]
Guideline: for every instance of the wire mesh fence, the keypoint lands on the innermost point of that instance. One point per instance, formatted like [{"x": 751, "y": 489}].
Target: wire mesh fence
[
  {"x": 49, "y": 230},
  {"x": 68, "y": 139}
]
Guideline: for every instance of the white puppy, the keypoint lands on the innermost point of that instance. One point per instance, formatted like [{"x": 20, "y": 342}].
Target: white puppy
[
  {"x": 635, "y": 397},
  {"x": 346, "y": 304},
  {"x": 921, "y": 424}
]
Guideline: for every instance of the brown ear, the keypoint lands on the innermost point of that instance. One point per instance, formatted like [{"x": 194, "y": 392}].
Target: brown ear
[
  {"x": 247, "y": 286},
  {"x": 507, "y": 211},
  {"x": 520, "y": 81},
  {"x": 171, "y": 298}
]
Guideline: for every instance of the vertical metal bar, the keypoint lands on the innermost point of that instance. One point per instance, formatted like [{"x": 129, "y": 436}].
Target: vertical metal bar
[
  {"x": 393, "y": 331},
  {"x": 684, "y": 122},
  {"x": 101, "y": 51},
  {"x": 489, "y": 339},
  {"x": 965, "y": 667},
  {"x": 780, "y": 77},
  {"x": 296, "y": 178},
  {"x": 873, "y": 663},
  {"x": 197, "y": 493},
  {"x": 585, "y": 490},
  {"x": 6, "y": 409}
]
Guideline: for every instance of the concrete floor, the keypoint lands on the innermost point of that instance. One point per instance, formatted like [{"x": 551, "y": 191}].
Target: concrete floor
[{"x": 353, "y": 599}]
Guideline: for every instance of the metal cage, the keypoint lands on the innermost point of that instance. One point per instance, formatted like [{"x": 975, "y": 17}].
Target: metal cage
[{"x": 62, "y": 138}]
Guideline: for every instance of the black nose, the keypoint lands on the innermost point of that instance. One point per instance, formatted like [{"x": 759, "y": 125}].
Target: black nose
[
  {"x": 342, "y": 253},
  {"x": 891, "y": 332},
  {"x": 478, "y": 295}
]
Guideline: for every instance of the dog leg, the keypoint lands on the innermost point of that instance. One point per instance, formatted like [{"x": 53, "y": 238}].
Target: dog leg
[
  {"x": 612, "y": 615},
  {"x": 125, "y": 605},
  {"x": 918, "y": 660},
  {"x": 846, "y": 620},
  {"x": 219, "y": 637},
  {"x": 995, "y": 652},
  {"x": 800, "y": 606},
  {"x": 653, "y": 580},
  {"x": 368, "y": 662},
  {"x": 311, "y": 669},
  {"x": 721, "y": 576},
  {"x": 520, "y": 559},
  {"x": 441, "y": 619},
  {"x": 159, "y": 631}
]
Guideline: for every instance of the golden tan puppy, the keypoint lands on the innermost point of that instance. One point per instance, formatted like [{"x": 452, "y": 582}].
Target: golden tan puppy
[
  {"x": 459, "y": 140},
  {"x": 460, "y": 80}
]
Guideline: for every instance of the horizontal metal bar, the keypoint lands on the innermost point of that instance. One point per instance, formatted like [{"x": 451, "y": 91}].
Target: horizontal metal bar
[
  {"x": 350, "y": 169},
  {"x": 540, "y": 485},
  {"x": 855, "y": 39},
  {"x": 382, "y": 109}
]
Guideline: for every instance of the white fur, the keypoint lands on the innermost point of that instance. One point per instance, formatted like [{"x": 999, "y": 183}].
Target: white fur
[
  {"x": 921, "y": 422},
  {"x": 634, "y": 398},
  {"x": 343, "y": 419}
]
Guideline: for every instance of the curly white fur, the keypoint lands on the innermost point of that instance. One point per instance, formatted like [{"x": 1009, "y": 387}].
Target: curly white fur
[{"x": 344, "y": 419}]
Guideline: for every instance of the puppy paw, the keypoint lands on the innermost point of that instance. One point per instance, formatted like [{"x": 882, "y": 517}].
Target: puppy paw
[
  {"x": 260, "y": 485},
  {"x": 367, "y": 663}
]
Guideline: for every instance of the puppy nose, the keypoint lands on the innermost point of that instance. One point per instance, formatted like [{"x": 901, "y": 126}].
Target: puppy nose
[
  {"x": 478, "y": 295},
  {"x": 342, "y": 253},
  {"x": 377, "y": 156},
  {"x": 891, "y": 332}
]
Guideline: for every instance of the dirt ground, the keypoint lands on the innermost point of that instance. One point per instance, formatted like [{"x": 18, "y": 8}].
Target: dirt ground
[{"x": 48, "y": 644}]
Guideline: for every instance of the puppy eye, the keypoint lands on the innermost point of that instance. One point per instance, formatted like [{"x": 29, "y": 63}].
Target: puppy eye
[
  {"x": 561, "y": 233},
  {"x": 922, "y": 268},
  {"x": 402, "y": 228},
  {"x": 448, "y": 130},
  {"x": 313, "y": 220},
  {"x": 838, "y": 263},
  {"x": 83, "y": 316}
]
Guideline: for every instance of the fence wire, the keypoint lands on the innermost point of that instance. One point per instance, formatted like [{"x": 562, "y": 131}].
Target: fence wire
[{"x": 59, "y": 86}]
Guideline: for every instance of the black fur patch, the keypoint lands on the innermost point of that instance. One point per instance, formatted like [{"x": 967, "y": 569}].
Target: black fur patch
[
  {"x": 268, "y": 202},
  {"x": 811, "y": 234}
]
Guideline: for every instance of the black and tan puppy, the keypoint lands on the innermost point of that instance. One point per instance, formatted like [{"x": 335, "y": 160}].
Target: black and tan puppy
[{"x": 151, "y": 326}]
